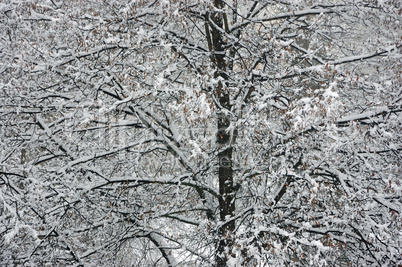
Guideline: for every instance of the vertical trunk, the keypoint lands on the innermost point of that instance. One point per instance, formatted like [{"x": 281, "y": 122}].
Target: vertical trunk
[
  {"x": 226, "y": 189},
  {"x": 225, "y": 173}
]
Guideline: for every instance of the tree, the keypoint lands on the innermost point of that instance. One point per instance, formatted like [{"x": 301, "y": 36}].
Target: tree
[{"x": 225, "y": 133}]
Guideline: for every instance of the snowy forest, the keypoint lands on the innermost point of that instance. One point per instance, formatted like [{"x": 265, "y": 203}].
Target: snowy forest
[{"x": 200, "y": 133}]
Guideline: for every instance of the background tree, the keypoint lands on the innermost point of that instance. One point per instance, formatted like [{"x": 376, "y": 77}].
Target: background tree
[{"x": 225, "y": 133}]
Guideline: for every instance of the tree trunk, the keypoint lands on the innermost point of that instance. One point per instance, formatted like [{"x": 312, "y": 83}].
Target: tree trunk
[
  {"x": 225, "y": 173},
  {"x": 226, "y": 189}
]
